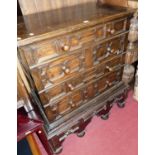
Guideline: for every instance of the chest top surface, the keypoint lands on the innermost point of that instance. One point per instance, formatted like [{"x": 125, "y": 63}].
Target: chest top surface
[{"x": 46, "y": 24}]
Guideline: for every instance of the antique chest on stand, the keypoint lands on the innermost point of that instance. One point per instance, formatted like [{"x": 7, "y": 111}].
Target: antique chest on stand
[{"x": 73, "y": 59}]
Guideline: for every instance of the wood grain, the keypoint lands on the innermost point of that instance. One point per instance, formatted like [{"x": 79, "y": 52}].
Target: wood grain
[
  {"x": 75, "y": 61},
  {"x": 116, "y": 2},
  {"x": 33, "y": 6},
  {"x": 33, "y": 144},
  {"x": 62, "y": 21}
]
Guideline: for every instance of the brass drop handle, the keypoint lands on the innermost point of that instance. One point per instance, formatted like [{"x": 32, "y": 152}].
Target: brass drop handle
[
  {"x": 96, "y": 85},
  {"x": 54, "y": 108},
  {"x": 72, "y": 104},
  {"x": 85, "y": 93},
  {"x": 71, "y": 86},
  {"x": 66, "y": 70},
  {"x": 108, "y": 30},
  {"x": 65, "y": 47},
  {"x": 112, "y": 31},
  {"x": 109, "y": 68},
  {"x": 108, "y": 83},
  {"x": 110, "y": 50}
]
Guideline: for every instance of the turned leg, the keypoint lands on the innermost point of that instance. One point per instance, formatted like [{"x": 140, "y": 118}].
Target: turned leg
[
  {"x": 82, "y": 126},
  {"x": 121, "y": 104},
  {"x": 105, "y": 116},
  {"x": 105, "y": 111},
  {"x": 44, "y": 141},
  {"x": 121, "y": 100},
  {"x": 81, "y": 134},
  {"x": 58, "y": 151},
  {"x": 56, "y": 144}
]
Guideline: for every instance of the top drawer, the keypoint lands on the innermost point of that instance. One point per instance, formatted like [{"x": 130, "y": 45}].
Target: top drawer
[
  {"x": 40, "y": 52},
  {"x": 115, "y": 27}
]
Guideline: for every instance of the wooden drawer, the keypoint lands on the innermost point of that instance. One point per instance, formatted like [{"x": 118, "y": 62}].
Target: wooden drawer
[
  {"x": 51, "y": 94},
  {"x": 45, "y": 50},
  {"x": 65, "y": 105},
  {"x": 113, "y": 64},
  {"x": 58, "y": 70},
  {"x": 109, "y": 65},
  {"x": 72, "y": 101},
  {"x": 115, "y": 27},
  {"x": 100, "y": 32},
  {"x": 40, "y": 52},
  {"x": 108, "y": 49},
  {"x": 105, "y": 82}
]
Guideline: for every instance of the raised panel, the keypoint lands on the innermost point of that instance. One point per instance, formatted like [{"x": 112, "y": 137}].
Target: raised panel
[
  {"x": 69, "y": 42},
  {"x": 106, "y": 82},
  {"x": 51, "y": 113},
  {"x": 64, "y": 106},
  {"x": 115, "y": 27},
  {"x": 58, "y": 109},
  {"x": 116, "y": 46},
  {"x": 50, "y": 95},
  {"x": 88, "y": 56},
  {"x": 89, "y": 92},
  {"x": 74, "y": 83},
  {"x": 114, "y": 78},
  {"x": 102, "y": 85},
  {"x": 56, "y": 71},
  {"x": 113, "y": 64},
  {"x": 108, "y": 49},
  {"x": 77, "y": 98},
  {"x": 40, "y": 52},
  {"x": 100, "y": 32},
  {"x": 100, "y": 52}
]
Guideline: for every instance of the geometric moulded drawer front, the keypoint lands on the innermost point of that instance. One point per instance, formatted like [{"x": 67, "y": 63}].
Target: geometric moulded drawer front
[
  {"x": 72, "y": 101},
  {"x": 56, "y": 71},
  {"x": 115, "y": 27},
  {"x": 108, "y": 49}
]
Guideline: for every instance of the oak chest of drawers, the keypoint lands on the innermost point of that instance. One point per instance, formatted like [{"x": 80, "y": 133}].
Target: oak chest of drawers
[{"x": 73, "y": 59}]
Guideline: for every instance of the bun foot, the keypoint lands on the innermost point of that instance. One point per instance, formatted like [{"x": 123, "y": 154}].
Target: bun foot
[
  {"x": 105, "y": 117},
  {"x": 81, "y": 134},
  {"x": 58, "y": 151},
  {"x": 121, "y": 104}
]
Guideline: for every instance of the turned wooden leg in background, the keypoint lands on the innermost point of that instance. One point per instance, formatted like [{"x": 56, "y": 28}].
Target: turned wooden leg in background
[
  {"x": 105, "y": 112},
  {"x": 56, "y": 144},
  {"x": 57, "y": 140},
  {"x": 33, "y": 145},
  {"x": 81, "y": 134},
  {"x": 82, "y": 126},
  {"x": 44, "y": 141},
  {"x": 105, "y": 116},
  {"x": 121, "y": 100}
]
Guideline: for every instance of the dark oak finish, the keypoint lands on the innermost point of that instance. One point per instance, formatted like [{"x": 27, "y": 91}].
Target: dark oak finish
[
  {"x": 68, "y": 19},
  {"x": 31, "y": 6},
  {"x": 74, "y": 58}
]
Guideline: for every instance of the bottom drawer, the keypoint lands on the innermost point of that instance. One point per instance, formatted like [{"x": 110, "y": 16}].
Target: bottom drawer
[
  {"x": 86, "y": 93},
  {"x": 105, "y": 83},
  {"x": 65, "y": 105}
]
